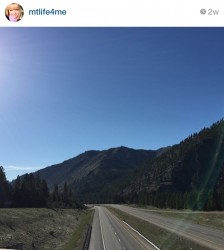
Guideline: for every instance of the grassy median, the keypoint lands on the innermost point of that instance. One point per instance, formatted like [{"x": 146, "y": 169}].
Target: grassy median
[{"x": 162, "y": 238}]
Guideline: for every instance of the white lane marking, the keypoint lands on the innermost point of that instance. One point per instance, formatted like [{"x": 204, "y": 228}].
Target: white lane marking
[
  {"x": 104, "y": 248},
  {"x": 142, "y": 236}
]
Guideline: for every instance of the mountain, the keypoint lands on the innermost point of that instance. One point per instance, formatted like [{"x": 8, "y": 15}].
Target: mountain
[
  {"x": 93, "y": 174},
  {"x": 195, "y": 165},
  {"x": 187, "y": 175}
]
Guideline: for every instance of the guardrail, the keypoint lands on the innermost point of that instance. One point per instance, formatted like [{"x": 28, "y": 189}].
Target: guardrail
[{"x": 87, "y": 238}]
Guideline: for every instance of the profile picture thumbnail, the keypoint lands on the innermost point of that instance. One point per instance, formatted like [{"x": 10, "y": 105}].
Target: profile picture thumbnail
[{"x": 14, "y": 12}]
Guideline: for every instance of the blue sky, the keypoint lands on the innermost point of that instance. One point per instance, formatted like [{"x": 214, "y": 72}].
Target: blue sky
[{"x": 67, "y": 90}]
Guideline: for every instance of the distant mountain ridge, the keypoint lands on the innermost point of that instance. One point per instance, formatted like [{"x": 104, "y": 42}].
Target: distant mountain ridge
[{"x": 92, "y": 172}]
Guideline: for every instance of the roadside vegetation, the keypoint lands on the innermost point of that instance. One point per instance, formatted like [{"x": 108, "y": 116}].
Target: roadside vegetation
[
  {"x": 42, "y": 228},
  {"x": 214, "y": 219},
  {"x": 78, "y": 236},
  {"x": 32, "y": 216},
  {"x": 159, "y": 236}
]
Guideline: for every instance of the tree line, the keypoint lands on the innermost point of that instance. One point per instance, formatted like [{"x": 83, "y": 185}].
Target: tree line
[
  {"x": 206, "y": 200},
  {"x": 32, "y": 191}
]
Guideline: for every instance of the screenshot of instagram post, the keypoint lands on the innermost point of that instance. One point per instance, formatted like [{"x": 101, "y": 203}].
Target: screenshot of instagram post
[{"x": 111, "y": 125}]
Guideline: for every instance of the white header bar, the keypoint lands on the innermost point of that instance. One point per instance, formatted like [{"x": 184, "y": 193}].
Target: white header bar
[{"x": 116, "y": 13}]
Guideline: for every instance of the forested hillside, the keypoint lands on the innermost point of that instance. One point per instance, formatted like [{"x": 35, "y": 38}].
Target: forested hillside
[
  {"x": 188, "y": 175},
  {"x": 93, "y": 175}
]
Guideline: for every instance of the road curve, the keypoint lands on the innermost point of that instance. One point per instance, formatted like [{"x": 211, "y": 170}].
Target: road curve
[
  {"x": 206, "y": 236},
  {"x": 110, "y": 233}
]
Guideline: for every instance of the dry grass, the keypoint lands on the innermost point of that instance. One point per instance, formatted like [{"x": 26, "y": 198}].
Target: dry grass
[
  {"x": 214, "y": 219},
  {"x": 78, "y": 237},
  {"x": 39, "y": 228},
  {"x": 209, "y": 219}
]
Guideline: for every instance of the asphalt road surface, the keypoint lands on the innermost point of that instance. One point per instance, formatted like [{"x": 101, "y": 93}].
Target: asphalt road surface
[
  {"x": 110, "y": 233},
  {"x": 206, "y": 236}
]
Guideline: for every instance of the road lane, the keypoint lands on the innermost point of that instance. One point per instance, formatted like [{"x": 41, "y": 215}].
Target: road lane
[
  {"x": 110, "y": 233},
  {"x": 96, "y": 241},
  {"x": 209, "y": 237}
]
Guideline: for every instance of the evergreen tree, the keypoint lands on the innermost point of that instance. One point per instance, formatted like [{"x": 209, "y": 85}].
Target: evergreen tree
[
  {"x": 55, "y": 194},
  {"x": 65, "y": 193},
  {"x": 5, "y": 188}
]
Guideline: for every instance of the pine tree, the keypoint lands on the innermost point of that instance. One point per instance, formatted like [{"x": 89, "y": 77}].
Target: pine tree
[
  {"x": 5, "y": 188},
  {"x": 65, "y": 193}
]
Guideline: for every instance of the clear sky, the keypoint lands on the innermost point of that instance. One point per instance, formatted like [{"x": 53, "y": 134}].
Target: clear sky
[{"x": 67, "y": 90}]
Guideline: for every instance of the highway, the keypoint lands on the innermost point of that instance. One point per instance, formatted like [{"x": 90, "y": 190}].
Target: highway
[
  {"x": 206, "y": 236},
  {"x": 110, "y": 233}
]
